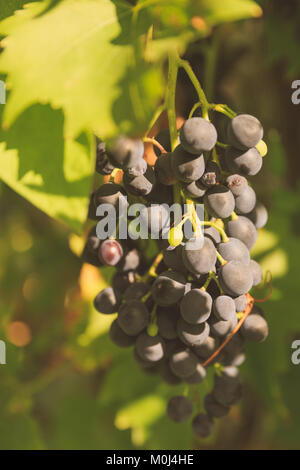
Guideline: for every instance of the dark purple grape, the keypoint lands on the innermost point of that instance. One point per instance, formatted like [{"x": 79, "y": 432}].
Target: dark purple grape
[
  {"x": 235, "y": 278},
  {"x": 168, "y": 288},
  {"x": 183, "y": 363},
  {"x": 103, "y": 165},
  {"x": 244, "y": 230},
  {"x": 125, "y": 152},
  {"x": 255, "y": 328},
  {"x": 163, "y": 169},
  {"x": 219, "y": 201},
  {"x": 198, "y": 376},
  {"x": 192, "y": 335},
  {"x": 106, "y": 301},
  {"x": 247, "y": 163},
  {"x": 224, "y": 308},
  {"x": 199, "y": 255},
  {"x": 195, "y": 307},
  {"x": 234, "y": 250},
  {"x": 179, "y": 409},
  {"x": 186, "y": 166},
  {"x": 198, "y": 135},
  {"x": 141, "y": 185},
  {"x": 211, "y": 175},
  {"x": 213, "y": 408},
  {"x": 202, "y": 425},
  {"x": 259, "y": 215},
  {"x": 150, "y": 348},
  {"x": 245, "y": 202},
  {"x": 244, "y": 131},
  {"x": 133, "y": 317},
  {"x": 237, "y": 184},
  {"x": 119, "y": 338},
  {"x": 256, "y": 272}
]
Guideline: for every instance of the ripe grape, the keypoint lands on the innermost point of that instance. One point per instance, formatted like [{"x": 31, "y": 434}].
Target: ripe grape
[
  {"x": 240, "y": 303},
  {"x": 109, "y": 193},
  {"x": 202, "y": 425},
  {"x": 179, "y": 409},
  {"x": 244, "y": 131},
  {"x": 186, "y": 166},
  {"x": 163, "y": 169},
  {"x": 219, "y": 201},
  {"x": 198, "y": 135},
  {"x": 259, "y": 215},
  {"x": 224, "y": 308},
  {"x": 183, "y": 363},
  {"x": 199, "y": 255},
  {"x": 247, "y": 163},
  {"x": 243, "y": 229},
  {"x": 133, "y": 317},
  {"x": 245, "y": 202},
  {"x": 135, "y": 291},
  {"x": 141, "y": 185},
  {"x": 150, "y": 348},
  {"x": 167, "y": 322},
  {"x": 103, "y": 165},
  {"x": 194, "y": 189},
  {"x": 234, "y": 250},
  {"x": 192, "y": 335},
  {"x": 211, "y": 175},
  {"x": 237, "y": 184},
  {"x": 168, "y": 288},
  {"x": 125, "y": 152},
  {"x": 256, "y": 272},
  {"x": 198, "y": 376},
  {"x": 195, "y": 306},
  {"x": 213, "y": 408},
  {"x": 118, "y": 337},
  {"x": 255, "y": 328},
  {"x": 235, "y": 278},
  {"x": 106, "y": 301}
]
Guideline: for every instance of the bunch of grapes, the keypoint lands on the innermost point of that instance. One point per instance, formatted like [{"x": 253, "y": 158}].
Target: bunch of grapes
[{"x": 190, "y": 307}]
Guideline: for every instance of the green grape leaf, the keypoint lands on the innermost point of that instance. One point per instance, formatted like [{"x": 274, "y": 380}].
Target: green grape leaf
[
  {"x": 83, "y": 70},
  {"x": 52, "y": 173},
  {"x": 8, "y": 7}
]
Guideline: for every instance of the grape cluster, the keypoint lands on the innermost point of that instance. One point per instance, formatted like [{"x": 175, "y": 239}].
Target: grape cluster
[{"x": 190, "y": 308}]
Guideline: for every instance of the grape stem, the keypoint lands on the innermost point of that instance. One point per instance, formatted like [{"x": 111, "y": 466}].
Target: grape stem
[
  {"x": 152, "y": 141},
  {"x": 248, "y": 310},
  {"x": 152, "y": 269}
]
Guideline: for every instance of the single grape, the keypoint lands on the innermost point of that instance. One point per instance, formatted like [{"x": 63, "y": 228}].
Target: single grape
[
  {"x": 213, "y": 408},
  {"x": 219, "y": 201},
  {"x": 160, "y": 194},
  {"x": 125, "y": 152},
  {"x": 109, "y": 193},
  {"x": 163, "y": 169},
  {"x": 256, "y": 272},
  {"x": 198, "y": 376},
  {"x": 195, "y": 306},
  {"x": 121, "y": 281},
  {"x": 168, "y": 288},
  {"x": 103, "y": 165},
  {"x": 247, "y": 163},
  {"x": 118, "y": 337},
  {"x": 199, "y": 255},
  {"x": 192, "y": 335},
  {"x": 106, "y": 301},
  {"x": 234, "y": 250},
  {"x": 150, "y": 348},
  {"x": 259, "y": 215},
  {"x": 198, "y": 135},
  {"x": 245, "y": 202},
  {"x": 243, "y": 229},
  {"x": 110, "y": 252},
  {"x": 255, "y": 328},
  {"x": 139, "y": 185},
  {"x": 138, "y": 169},
  {"x": 179, "y": 409},
  {"x": 227, "y": 395},
  {"x": 224, "y": 308},
  {"x": 186, "y": 166},
  {"x": 235, "y": 278},
  {"x": 237, "y": 184},
  {"x": 240, "y": 303},
  {"x": 195, "y": 189},
  {"x": 133, "y": 317},
  {"x": 183, "y": 363},
  {"x": 202, "y": 425},
  {"x": 244, "y": 131}
]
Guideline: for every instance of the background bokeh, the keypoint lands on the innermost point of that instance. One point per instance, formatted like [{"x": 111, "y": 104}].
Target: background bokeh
[{"x": 65, "y": 386}]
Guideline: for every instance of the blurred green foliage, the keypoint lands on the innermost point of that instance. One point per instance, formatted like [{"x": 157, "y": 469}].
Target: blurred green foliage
[{"x": 65, "y": 386}]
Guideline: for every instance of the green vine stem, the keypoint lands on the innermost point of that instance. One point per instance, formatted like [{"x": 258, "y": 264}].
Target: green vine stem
[{"x": 170, "y": 100}]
